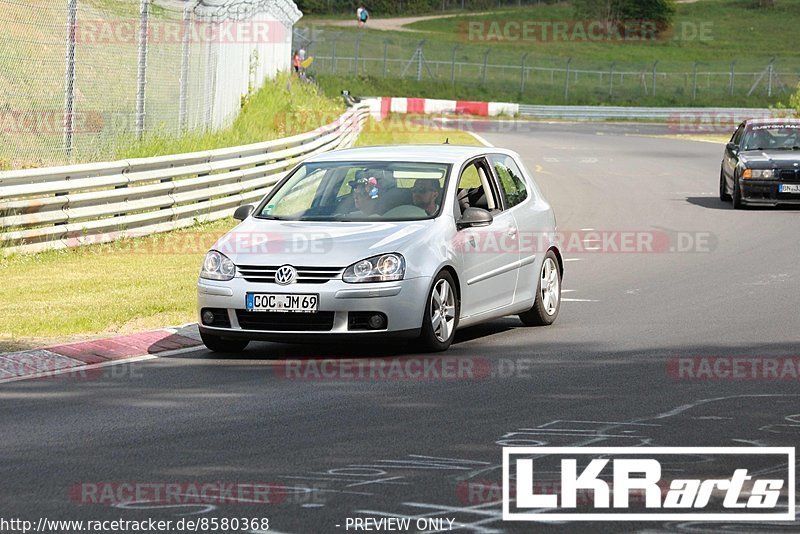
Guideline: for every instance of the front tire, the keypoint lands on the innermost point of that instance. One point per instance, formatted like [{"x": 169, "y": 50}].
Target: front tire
[
  {"x": 440, "y": 320},
  {"x": 548, "y": 294},
  {"x": 216, "y": 343},
  {"x": 723, "y": 188}
]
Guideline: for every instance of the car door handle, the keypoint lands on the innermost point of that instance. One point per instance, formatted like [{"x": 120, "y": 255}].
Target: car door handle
[{"x": 512, "y": 232}]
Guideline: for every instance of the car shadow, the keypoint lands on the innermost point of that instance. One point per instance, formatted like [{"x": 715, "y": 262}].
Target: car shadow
[
  {"x": 713, "y": 203},
  {"x": 354, "y": 349}
]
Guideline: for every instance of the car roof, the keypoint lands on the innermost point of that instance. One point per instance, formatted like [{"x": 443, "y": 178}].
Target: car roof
[
  {"x": 444, "y": 153},
  {"x": 754, "y": 122}
]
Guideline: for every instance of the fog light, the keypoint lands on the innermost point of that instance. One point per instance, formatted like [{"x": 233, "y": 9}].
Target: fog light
[
  {"x": 208, "y": 317},
  {"x": 377, "y": 322}
]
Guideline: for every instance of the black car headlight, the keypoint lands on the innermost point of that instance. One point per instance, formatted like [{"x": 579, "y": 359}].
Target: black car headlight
[
  {"x": 382, "y": 268},
  {"x": 217, "y": 266},
  {"x": 758, "y": 174}
]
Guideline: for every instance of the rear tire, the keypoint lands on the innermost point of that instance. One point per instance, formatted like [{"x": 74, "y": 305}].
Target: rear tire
[
  {"x": 440, "y": 320},
  {"x": 723, "y": 188},
  {"x": 548, "y": 294},
  {"x": 216, "y": 343}
]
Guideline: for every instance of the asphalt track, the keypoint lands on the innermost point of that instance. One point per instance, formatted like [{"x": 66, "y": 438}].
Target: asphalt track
[{"x": 406, "y": 447}]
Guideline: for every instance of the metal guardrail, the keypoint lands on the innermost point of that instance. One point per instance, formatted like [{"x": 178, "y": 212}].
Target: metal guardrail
[
  {"x": 600, "y": 113},
  {"x": 60, "y": 207}
]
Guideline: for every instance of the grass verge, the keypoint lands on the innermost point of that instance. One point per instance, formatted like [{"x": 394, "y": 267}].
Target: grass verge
[
  {"x": 710, "y": 37},
  {"x": 282, "y": 107}
]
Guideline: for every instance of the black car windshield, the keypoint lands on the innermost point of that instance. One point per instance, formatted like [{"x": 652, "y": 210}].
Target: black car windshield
[
  {"x": 772, "y": 137},
  {"x": 358, "y": 191}
]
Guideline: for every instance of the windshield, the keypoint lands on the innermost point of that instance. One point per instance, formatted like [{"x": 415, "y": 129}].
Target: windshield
[
  {"x": 358, "y": 191},
  {"x": 773, "y": 137}
]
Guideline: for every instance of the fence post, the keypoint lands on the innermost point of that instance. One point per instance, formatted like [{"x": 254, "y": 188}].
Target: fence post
[
  {"x": 207, "y": 96},
  {"x": 655, "y": 73},
  {"x": 453, "y": 66},
  {"x": 771, "y": 69},
  {"x": 694, "y": 83},
  {"x": 485, "y": 65},
  {"x": 733, "y": 75},
  {"x": 141, "y": 77},
  {"x": 183, "y": 97},
  {"x": 420, "y": 59},
  {"x": 611, "y": 79},
  {"x": 333, "y": 54},
  {"x": 358, "y": 45},
  {"x": 69, "y": 78},
  {"x": 385, "y": 51},
  {"x": 522, "y": 73},
  {"x": 566, "y": 82}
]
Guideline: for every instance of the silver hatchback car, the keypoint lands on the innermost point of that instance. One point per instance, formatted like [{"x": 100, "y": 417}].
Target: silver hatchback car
[{"x": 408, "y": 241}]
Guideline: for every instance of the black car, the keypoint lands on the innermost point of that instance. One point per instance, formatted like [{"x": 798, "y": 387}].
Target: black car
[{"x": 761, "y": 165}]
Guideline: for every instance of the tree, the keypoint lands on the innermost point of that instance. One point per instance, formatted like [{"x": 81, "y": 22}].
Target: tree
[
  {"x": 794, "y": 101},
  {"x": 614, "y": 12}
]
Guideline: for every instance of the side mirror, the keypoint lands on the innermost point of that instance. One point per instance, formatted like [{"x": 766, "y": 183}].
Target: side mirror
[
  {"x": 243, "y": 212},
  {"x": 732, "y": 148},
  {"x": 474, "y": 217}
]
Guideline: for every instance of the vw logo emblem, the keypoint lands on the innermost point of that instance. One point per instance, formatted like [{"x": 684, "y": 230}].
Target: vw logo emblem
[{"x": 285, "y": 275}]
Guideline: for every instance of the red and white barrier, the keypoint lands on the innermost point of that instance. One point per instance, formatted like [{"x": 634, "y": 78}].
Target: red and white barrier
[{"x": 382, "y": 106}]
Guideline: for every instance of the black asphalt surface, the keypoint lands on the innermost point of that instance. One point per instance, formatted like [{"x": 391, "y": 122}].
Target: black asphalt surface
[{"x": 384, "y": 447}]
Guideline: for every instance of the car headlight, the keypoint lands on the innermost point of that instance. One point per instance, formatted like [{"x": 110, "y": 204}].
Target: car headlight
[
  {"x": 217, "y": 266},
  {"x": 383, "y": 268},
  {"x": 759, "y": 174}
]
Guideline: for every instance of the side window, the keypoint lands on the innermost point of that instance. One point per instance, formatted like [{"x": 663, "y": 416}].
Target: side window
[
  {"x": 475, "y": 189},
  {"x": 511, "y": 179},
  {"x": 737, "y": 135}
]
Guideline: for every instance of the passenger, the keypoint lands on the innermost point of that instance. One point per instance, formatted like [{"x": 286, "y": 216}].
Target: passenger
[
  {"x": 426, "y": 194},
  {"x": 366, "y": 195}
]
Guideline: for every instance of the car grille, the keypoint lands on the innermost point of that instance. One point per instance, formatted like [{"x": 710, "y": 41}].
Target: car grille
[
  {"x": 790, "y": 176},
  {"x": 285, "y": 322},
  {"x": 305, "y": 275}
]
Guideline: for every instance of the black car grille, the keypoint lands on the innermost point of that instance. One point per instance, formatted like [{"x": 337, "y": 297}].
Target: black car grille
[
  {"x": 790, "y": 176},
  {"x": 285, "y": 322},
  {"x": 305, "y": 275}
]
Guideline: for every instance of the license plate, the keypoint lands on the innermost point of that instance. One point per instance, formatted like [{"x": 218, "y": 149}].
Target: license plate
[
  {"x": 789, "y": 188},
  {"x": 279, "y": 302}
]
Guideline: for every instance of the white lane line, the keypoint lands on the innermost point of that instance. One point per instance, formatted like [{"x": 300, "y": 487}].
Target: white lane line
[
  {"x": 591, "y": 248},
  {"x": 586, "y": 229},
  {"x": 579, "y": 300},
  {"x": 573, "y": 259},
  {"x": 480, "y": 139}
]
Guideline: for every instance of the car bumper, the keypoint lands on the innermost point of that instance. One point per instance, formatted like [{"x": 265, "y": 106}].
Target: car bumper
[
  {"x": 402, "y": 303},
  {"x": 766, "y": 192}
]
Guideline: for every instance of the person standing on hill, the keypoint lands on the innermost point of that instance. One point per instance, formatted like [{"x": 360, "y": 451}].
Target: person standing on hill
[
  {"x": 296, "y": 61},
  {"x": 362, "y": 15}
]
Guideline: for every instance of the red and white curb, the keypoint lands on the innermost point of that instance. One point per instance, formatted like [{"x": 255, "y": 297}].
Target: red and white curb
[
  {"x": 380, "y": 107},
  {"x": 74, "y": 357}
]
